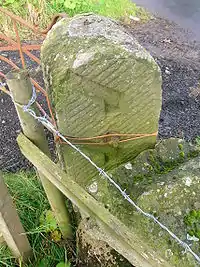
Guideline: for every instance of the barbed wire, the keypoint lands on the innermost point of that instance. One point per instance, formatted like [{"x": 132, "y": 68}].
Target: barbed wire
[{"x": 46, "y": 123}]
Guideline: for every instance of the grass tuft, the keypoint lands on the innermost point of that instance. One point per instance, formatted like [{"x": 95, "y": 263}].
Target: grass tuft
[
  {"x": 40, "y": 12},
  {"x": 31, "y": 202}
]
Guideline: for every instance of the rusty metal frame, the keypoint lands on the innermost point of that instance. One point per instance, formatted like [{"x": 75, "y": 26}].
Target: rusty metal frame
[{"x": 16, "y": 45}]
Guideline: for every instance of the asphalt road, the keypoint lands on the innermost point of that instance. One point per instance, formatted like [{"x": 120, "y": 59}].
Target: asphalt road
[{"x": 186, "y": 13}]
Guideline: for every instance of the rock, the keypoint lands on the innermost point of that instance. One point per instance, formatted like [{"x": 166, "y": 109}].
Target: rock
[
  {"x": 169, "y": 191},
  {"x": 93, "y": 251},
  {"x": 101, "y": 81},
  {"x": 134, "y": 18},
  {"x": 166, "y": 187}
]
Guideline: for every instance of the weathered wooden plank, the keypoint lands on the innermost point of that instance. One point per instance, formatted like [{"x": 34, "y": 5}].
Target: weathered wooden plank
[
  {"x": 120, "y": 238},
  {"x": 11, "y": 227}
]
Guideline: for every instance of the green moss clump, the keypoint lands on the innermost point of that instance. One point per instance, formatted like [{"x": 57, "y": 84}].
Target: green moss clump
[
  {"x": 192, "y": 220},
  {"x": 180, "y": 146},
  {"x": 182, "y": 154},
  {"x": 193, "y": 154}
]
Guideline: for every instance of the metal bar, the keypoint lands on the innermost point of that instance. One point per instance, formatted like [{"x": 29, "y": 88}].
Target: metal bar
[
  {"x": 37, "y": 86},
  {"x": 28, "y": 25},
  {"x": 9, "y": 62},
  {"x": 19, "y": 44},
  {"x": 20, "y": 20},
  {"x": 2, "y": 75},
  {"x": 24, "y": 47}
]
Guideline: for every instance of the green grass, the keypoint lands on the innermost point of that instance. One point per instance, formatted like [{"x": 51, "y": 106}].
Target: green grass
[
  {"x": 40, "y": 12},
  {"x": 31, "y": 203}
]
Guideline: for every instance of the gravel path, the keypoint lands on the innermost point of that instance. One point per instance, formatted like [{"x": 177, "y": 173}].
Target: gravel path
[{"x": 179, "y": 58}]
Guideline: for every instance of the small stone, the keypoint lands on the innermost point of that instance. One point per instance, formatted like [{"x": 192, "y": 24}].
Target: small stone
[
  {"x": 167, "y": 72},
  {"x": 167, "y": 41},
  {"x": 188, "y": 181},
  {"x": 134, "y": 18},
  {"x": 3, "y": 122},
  {"x": 93, "y": 188},
  {"x": 129, "y": 166}
]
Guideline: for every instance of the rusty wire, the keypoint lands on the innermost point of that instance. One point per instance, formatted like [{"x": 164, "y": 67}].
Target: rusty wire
[{"x": 25, "y": 49}]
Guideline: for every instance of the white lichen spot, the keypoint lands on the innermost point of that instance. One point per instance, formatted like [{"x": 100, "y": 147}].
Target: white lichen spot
[
  {"x": 50, "y": 79},
  {"x": 192, "y": 238},
  {"x": 160, "y": 234},
  {"x": 56, "y": 57},
  {"x": 188, "y": 181},
  {"x": 93, "y": 188},
  {"x": 128, "y": 166},
  {"x": 165, "y": 195},
  {"x": 83, "y": 59},
  {"x": 147, "y": 193},
  {"x": 168, "y": 253}
]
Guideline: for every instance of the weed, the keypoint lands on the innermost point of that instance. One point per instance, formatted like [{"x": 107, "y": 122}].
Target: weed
[
  {"x": 39, "y": 224},
  {"x": 111, "y": 8},
  {"x": 40, "y": 12},
  {"x": 192, "y": 220}
]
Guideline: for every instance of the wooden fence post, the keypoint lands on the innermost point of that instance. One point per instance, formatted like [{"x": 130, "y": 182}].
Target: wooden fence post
[
  {"x": 11, "y": 227},
  {"x": 21, "y": 88}
]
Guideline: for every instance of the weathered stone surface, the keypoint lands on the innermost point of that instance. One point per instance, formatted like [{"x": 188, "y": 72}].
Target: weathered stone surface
[
  {"x": 168, "y": 187},
  {"x": 101, "y": 81},
  {"x": 93, "y": 250},
  {"x": 165, "y": 184}
]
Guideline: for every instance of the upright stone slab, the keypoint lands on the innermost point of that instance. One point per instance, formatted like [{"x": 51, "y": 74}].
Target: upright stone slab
[{"x": 101, "y": 81}]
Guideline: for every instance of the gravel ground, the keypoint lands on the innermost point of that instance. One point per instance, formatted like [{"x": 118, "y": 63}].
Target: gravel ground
[{"x": 178, "y": 55}]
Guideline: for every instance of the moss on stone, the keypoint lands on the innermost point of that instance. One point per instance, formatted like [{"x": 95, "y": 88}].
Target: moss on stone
[
  {"x": 192, "y": 221},
  {"x": 180, "y": 146},
  {"x": 102, "y": 81}
]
